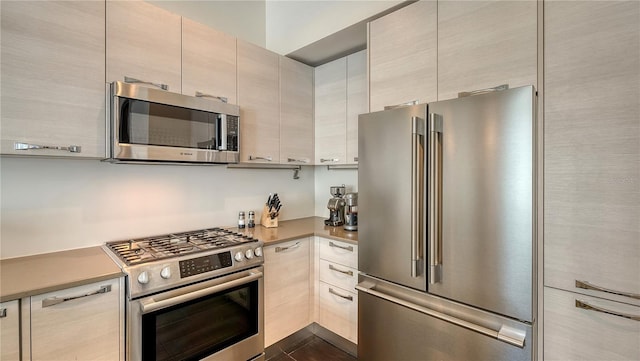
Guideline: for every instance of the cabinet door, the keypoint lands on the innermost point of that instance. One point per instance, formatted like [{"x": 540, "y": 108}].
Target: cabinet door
[
  {"x": 357, "y": 100},
  {"x": 143, "y": 42},
  {"x": 208, "y": 61},
  {"x": 287, "y": 289},
  {"x": 592, "y": 146},
  {"x": 80, "y": 323},
  {"x": 573, "y": 333},
  {"x": 296, "y": 112},
  {"x": 482, "y": 44},
  {"x": 403, "y": 55},
  {"x": 331, "y": 112},
  {"x": 259, "y": 99},
  {"x": 10, "y": 331},
  {"x": 53, "y": 91}
]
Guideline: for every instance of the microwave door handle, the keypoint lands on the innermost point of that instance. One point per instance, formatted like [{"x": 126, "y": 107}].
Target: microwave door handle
[
  {"x": 417, "y": 196},
  {"x": 435, "y": 198},
  {"x": 222, "y": 132}
]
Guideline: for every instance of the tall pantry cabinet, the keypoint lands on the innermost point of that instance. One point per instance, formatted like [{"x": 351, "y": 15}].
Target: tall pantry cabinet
[{"x": 592, "y": 180}]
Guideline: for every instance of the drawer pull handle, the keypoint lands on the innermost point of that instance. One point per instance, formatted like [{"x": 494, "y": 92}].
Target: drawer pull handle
[
  {"x": 282, "y": 249},
  {"x": 347, "y": 248},
  {"x": 349, "y": 273},
  {"x": 203, "y": 95},
  {"x": 267, "y": 158},
  {"x": 350, "y": 298},
  {"x": 301, "y": 160},
  {"x": 588, "y": 286},
  {"x": 586, "y": 306},
  {"x": 26, "y": 146},
  {"x": 47, "y": 302},
  {"x": 131, "y": 80},
  {"x": 325, "y": 160},
  {"x": 3, "y": 312}
]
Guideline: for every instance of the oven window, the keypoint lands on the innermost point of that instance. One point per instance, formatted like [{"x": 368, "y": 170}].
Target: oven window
[
  {"x": 149, "y": 123},
  {"x": 198, "y": 328}
]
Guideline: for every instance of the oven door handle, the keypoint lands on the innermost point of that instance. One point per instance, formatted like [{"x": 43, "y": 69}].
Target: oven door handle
[{"x": 151, "y": 304}]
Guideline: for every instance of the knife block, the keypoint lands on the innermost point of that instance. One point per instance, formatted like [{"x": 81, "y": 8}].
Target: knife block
[{"x": 267, "y": 221}]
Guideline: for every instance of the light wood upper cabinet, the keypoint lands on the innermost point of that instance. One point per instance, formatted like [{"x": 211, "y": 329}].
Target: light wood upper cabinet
[
  {"x": 331, "y": 112},
  {"x": 403, "y": 55},
  {"x": 259, "y": 100},
  {"x": 52, "y": 76},
  {"x": 592, "y": 146},
  {"x": 208, "y": 61},
  {"x": 89, "y": 327},
  {"x": 340, "y": 96},
  {"x": 144, "y": 42},
  {"x": 357, "y": 100},
  {"x": 482, "y": 44},
  {"x": 287, "y": 284},
  {"x": 296, "y": 112}
]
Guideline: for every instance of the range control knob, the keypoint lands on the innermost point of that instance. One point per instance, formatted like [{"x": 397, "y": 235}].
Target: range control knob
[
  {"x": 165, "y": 272},
  {"x": 239, "y": 257},
  {"x": 143, "y": 278},
  {"x": 249, "y": 254},
  {"x": 258, "y": 252}
]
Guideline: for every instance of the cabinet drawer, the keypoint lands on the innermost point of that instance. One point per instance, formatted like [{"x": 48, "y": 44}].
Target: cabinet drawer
[
  {"x": 338, "y": 275},
  {"x": 79, "y": 323},
  {"x": 339, "y": 252},
  {"x": 572, "y": 333},
  {"x": 339, "y": 311}
]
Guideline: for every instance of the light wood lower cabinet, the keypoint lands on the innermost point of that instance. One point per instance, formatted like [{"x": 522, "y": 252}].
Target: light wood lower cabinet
[
  {"x": 10, "y": 330},
  {"x": 337, "y": 297},
  {"x": 287, "y": 284},
  {"x": 573, "y": 333},
  {"x": 79, "y": 323}
]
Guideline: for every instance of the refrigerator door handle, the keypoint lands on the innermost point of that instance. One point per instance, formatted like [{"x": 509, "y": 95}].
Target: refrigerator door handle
[
  {"x": 417, "y": 195},
  {"x": 435, "y": 198},
  {"x": 510, "y": 335}
]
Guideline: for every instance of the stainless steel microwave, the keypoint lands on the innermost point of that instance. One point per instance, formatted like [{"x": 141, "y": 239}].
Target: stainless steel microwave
[{"x": 151, "y": 125}]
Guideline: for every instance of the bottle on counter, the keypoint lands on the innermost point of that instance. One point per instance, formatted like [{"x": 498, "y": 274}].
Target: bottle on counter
[
  {"x": 252, "y": 219},
  {"x": 241, "y": 222}
]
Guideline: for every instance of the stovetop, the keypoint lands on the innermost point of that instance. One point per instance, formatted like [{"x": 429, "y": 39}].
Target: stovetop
[
  {"x": 159, "y": 263},
  {"x": 149, "y": 249}
]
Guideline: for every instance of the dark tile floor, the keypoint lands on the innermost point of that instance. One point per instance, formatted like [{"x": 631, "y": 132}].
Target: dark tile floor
[{"x": 312, "y": 348}]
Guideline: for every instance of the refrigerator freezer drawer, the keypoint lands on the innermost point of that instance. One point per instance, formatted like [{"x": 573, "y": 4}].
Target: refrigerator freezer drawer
[{"x": 396, "y": 324}]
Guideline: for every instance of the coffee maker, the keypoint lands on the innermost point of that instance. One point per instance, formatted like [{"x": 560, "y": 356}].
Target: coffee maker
[
  {"x": 336, "y": 207},
  {"x": 351, "y": 212}
]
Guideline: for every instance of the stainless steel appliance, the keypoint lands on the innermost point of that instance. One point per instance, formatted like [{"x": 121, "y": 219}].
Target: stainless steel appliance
[
  {"x": 447, "y": 229},
  {"x": 193, "y": 296},
  {"x": 336, "y": 206},
  {"x": 351, "y": 212},
  {"x": 153, "y": 125}
]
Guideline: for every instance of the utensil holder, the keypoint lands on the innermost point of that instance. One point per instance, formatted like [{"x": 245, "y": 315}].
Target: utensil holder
[{"x": 266, "y": 220}]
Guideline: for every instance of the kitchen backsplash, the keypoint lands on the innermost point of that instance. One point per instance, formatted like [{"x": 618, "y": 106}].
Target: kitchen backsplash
[{"x": 58, "y": 204}]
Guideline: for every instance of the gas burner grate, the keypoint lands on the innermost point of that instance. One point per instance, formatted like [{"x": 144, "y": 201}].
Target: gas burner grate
[{"x": 149, "y": 249}]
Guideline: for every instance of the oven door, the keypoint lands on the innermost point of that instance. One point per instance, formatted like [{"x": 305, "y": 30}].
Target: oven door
[{"x": 219, "y": 319}]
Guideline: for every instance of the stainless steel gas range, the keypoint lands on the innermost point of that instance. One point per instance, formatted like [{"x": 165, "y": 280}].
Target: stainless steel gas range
[{"x": 194, "y": 295}]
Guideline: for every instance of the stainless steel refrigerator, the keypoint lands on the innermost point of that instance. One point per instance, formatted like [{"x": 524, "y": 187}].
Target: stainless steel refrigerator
[{"x": 447, "y": 226}]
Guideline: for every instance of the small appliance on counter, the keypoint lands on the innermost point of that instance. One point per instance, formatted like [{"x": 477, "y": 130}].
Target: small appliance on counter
[
  {"x": 351, "y": 212},
  {"x": 336, "y": 206}
]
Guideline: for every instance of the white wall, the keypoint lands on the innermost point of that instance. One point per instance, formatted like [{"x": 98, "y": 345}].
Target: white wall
[
  {"x": 326, "y": 178},
  {"x": 244, "y": 19},
  {"x": 291, "y": 25},
  {"x": 56, "y": 204}
]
